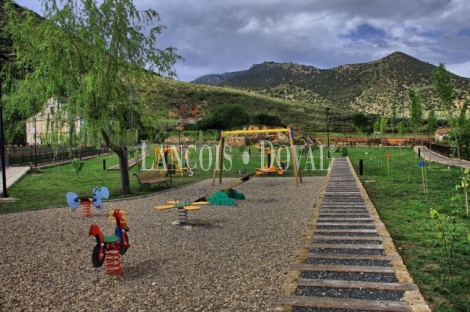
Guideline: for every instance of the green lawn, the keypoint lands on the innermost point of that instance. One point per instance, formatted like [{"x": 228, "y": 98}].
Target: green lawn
[
  {"x": 396, "y": 188},
  {"x": 47, "y": 187}
]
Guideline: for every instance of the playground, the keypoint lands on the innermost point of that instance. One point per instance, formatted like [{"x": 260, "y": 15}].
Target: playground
[{"x": 232, "y": 258}]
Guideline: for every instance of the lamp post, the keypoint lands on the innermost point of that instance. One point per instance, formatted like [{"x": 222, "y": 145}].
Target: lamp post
[
  {"x": 35, "y": 141},
  {"x": 179, "y": 133},
  {"x": 2, "y": 149},
  {"x": 328, "y": 130}
]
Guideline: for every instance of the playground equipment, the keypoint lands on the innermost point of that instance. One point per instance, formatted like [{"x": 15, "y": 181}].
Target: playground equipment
[
  {"x": 167, "y": 153},
  {"x": 183, "y": 206},
  {"x": 223, "y": 197},
  {"x": 271, "y": 159},
  {"x": 74, "y": 201},
  {"x": 298, "y": 177},
  {"x": 108, "y": 249},
  {"x": 226, "y": 196}
]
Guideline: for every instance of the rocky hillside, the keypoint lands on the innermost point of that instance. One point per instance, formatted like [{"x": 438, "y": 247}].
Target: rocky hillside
[{"x": 373, "y": 87}]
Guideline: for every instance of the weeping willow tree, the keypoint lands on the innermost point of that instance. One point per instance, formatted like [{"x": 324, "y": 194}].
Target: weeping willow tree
[{"x": 92, "y": 58}]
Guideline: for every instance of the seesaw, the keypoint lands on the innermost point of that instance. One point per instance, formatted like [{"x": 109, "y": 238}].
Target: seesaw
[{"x": 224, "y": 197}]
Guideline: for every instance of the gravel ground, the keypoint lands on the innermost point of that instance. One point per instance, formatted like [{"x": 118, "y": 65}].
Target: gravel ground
[
  {"x": 353, "y": 234},
  {"x": 350, "y": 293},
  {"x": 231, "y": 259},
  {"x": 337, "y": 241},
  {"x": 351, "y": 276},
  {"x": 359, "y": 262},
  {"x": 348, "y": 251}
]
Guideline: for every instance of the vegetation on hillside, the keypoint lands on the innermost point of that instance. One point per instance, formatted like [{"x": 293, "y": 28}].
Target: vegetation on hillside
[{"x": 373, "y": 87}]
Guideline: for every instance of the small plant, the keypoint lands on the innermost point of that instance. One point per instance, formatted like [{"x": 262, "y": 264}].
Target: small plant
[
  {"x": 77, "y": 166},
  {"x": 345, "y": 151},
  {"x": 446, "y": 233},
  {"x": 464, "y": 187}
]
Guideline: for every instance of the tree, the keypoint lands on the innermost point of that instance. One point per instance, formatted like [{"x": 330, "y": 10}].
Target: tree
[
  {"x": 443, "y": 83},
  {"x": 464, "y": 125},
  {"x": 394, "y": 118},
  {"x": 225, "y": 117},
  {"x": 383, "y": 127},
  {"x": 266, "y": 120},
  {"x": 361, "y": 121},
  {"x": 416, "y": 110},
  {"x": 92, "y": 58},
  {"x": 432, "y": 122}
]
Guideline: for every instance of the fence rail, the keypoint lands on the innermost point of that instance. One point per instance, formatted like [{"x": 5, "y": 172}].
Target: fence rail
[
  {"x": 449, "y": 151},
  {"x": 40, "y": 155}
]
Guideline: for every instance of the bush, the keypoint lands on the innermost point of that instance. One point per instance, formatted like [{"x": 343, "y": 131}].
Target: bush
[{"x": 345, "y": 151}]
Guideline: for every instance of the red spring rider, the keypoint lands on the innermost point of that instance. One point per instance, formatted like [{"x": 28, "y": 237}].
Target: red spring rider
[{"x": 110, "y": 248}]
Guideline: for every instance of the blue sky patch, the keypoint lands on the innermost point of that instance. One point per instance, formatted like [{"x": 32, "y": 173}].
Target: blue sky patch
[
  {"x": 367, "y": 32},
  {"x": 464, "y": 32}
]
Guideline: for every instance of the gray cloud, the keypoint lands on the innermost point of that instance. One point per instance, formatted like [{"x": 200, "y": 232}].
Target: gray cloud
[{"x": 223, "y": 36}]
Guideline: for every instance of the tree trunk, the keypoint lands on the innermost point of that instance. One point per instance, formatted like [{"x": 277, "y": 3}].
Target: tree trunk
[
  {"x": 121, "y": 152},
  {"x": 125, "y": 185}
]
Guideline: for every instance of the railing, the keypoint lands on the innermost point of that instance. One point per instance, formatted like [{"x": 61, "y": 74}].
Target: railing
[
  {"x": 449, "y": 151},
  {"x": 44, "y": 154}
]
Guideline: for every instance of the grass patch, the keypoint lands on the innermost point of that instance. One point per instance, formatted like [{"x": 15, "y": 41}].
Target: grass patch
[
  {"x": 47, "y": 187},
  {"x": 399, "y": 197}
]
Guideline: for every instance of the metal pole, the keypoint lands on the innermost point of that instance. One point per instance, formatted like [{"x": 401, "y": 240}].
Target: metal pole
[
  {"x": 35, "y": 141},
  {"x": 179, "y": 134},
  {"x": 328, "y": 131},
  {"x": 2, "y": 148}
]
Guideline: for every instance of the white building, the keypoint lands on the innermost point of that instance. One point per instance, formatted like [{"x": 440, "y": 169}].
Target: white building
[{"x": 39, "y": 127}]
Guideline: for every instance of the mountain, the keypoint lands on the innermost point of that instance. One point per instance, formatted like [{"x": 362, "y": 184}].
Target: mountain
[
  {"x": 216, "y": 79},
  {"x": 373, "y": 87}
]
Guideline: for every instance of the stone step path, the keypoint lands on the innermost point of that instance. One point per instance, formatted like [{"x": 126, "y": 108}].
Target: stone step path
[{"x": 346, "y": 261}]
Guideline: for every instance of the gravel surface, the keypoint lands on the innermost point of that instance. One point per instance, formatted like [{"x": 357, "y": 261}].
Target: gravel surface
[
  {"x": 352, "y": 216},
  {"x": 354, "y": 234},
  {"x": 346, "y": 227},
  {"x": 303, "y": 309},
  {"x": 347, "y": 276},
  {"x": 350, "y": 293},
  {"x": 348, "y": 251},
  {"x": 329, "y": 219},
  {"x": 337, "y": 241},
  {"x": 361, "y": 262},
  {"x": 231, "y": 259}
]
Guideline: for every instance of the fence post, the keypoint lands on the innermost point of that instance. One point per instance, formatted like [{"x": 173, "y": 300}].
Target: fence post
[{"x": 361, "y": 167}]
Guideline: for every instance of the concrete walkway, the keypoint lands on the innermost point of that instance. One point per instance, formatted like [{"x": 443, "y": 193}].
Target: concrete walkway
[
  {"x": 13, "y": 175},
  {"x": 428, "y": 155}
]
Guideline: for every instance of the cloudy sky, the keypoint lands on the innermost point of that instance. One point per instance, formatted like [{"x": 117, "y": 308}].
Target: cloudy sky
[{"x": 221, "y": 36}]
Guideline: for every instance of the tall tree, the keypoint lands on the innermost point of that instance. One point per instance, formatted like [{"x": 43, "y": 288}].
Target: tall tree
[
  {"x": 443, "y": 83},
  {"x": 432, "y": 122},
  {"x": 93, "y": 58},
  {"x": 383, "y": 127},
  {"x": 394, "y": 119},
  {"x": 416, "y": 110},
  {"x": 361, "y": 121}
]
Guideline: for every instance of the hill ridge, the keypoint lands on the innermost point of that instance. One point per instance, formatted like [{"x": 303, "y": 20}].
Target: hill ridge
[{"x": 374, "y": 87}]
